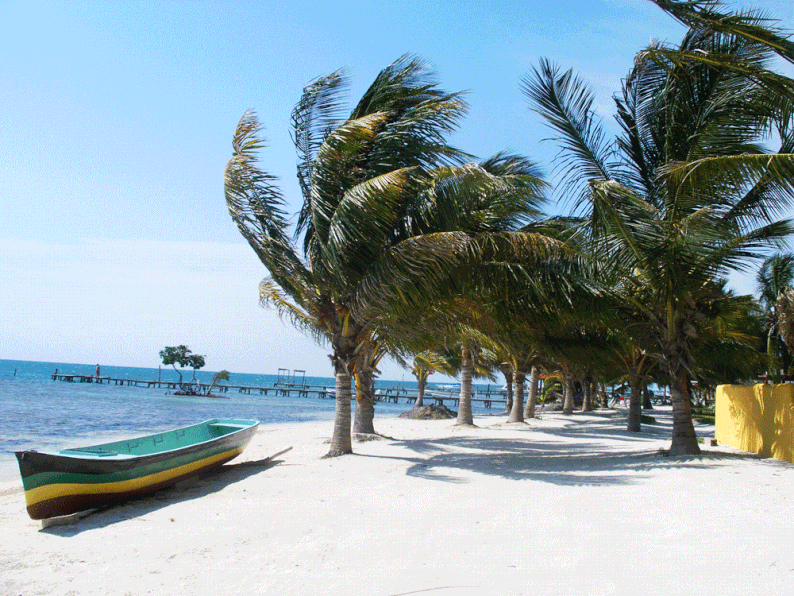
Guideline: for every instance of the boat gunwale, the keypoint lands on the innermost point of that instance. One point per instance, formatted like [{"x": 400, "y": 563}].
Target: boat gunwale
[
  {"x": 75, "y": 454},
  {"x": 35, "y": 463}
]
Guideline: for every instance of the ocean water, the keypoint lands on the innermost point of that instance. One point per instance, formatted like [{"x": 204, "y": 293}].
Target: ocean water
[{"x": 43, "y": 414}]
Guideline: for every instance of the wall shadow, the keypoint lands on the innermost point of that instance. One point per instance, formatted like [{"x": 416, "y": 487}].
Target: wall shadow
[{"x": 757, "y": 418}]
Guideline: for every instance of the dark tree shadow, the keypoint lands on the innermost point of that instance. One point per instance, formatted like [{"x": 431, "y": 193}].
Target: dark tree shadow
[
  {"x": 197, "y": 487},
  {"x": 570, "y": 455}
]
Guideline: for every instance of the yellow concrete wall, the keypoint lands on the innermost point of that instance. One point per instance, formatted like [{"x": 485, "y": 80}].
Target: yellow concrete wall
[{"x": 757, "y": 419}]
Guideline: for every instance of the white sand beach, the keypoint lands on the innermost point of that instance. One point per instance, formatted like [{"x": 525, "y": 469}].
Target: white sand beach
[{"x": 560, "y": 505}]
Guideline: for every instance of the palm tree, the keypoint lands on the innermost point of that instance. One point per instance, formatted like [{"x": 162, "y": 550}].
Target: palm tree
[
  {"x": 364, "y": 377},
  {"x": 222, "y": 375},
  {"x": 356, "y": 176},
  {"x": 508, "y": 372},
  {"x": 517, "y": 342},
  {"x": 532, "y": 395},
  {"x": 784, "y": 309},
  {"x": 424, "y": 364},
  {"x": 685, "y": 193},
  {"x": 774, "y": 278},
  {"x": 385, "y": 206}
]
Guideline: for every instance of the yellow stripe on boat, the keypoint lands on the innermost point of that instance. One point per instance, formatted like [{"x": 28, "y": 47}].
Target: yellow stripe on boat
[{"x": 53, "y": 491}]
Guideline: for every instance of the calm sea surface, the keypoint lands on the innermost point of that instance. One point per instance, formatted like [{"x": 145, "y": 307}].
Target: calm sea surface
[{"x": 39, "y": 413}]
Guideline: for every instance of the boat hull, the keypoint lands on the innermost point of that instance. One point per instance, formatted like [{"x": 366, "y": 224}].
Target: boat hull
[{"x": 74, "y": 480}]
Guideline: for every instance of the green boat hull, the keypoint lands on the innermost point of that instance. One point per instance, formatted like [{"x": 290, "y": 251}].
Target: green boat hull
[{"x": 74, "y": 480}]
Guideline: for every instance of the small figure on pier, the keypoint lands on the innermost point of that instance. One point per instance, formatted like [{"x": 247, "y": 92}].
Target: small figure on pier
[{"x": 97, "y": 370}]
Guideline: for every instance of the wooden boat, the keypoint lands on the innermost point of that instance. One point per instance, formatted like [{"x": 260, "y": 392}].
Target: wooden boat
[{"x": 74, "y": 480}]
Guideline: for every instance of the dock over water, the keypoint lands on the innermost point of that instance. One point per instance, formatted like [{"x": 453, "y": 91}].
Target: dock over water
[{"x": 395, "y": 394}]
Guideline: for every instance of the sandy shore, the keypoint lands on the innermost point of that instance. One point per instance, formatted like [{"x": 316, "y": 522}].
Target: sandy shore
[{"x": 561, "y": 505}]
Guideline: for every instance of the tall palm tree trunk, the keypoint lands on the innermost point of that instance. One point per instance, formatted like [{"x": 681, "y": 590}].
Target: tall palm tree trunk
[
  {"x": 529, "y": 411},
  {"x": 365, "y": 404},
  {"x": 567, "y": 392},
  {"x": 587, "y": 394},
  {"x": 466, "y": 372},
  {"x": 646, "y": 396},
  {"x": 684, "y": 438},
  {"x": 341, "y": 442},
  {"x": 635, "y": 403},
  {"x": 517, "y": 412},
  {"x": 421, "y": 383}
]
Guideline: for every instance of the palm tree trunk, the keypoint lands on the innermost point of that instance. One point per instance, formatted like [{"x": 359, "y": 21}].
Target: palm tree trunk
[
  {"x": 466, "y": 373},
  {"x": 771, "y": 351},
  {"x": 684, "y": 438},
  {"x": 341, "y": 442},
  {"x": 365, "y": 404},
  {"x": 509, "y": 391},
  {"x": 420, "y": 391},
  {"x": 517, "y": 412},
  {"x": 587, "y": 395},
  {"x": 646, "y": 396},
  {"x": 635, "y": 403},
  {"x": 529, "y": 412},
  {"x": 567, "y": 392}
]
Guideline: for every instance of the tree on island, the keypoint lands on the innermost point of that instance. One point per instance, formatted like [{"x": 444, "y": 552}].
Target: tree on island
[
  {"x": 219, "y": 376},
  {"x": 183, "y": 356}
]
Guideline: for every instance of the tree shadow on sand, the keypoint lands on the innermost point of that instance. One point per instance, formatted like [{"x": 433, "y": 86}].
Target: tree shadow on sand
[
  {"x": 196, "y": 487},
  {"x": 573, "y": 454}
]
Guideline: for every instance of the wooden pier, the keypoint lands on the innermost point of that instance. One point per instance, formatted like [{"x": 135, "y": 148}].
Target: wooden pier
[{"x": 486, "y": 397}]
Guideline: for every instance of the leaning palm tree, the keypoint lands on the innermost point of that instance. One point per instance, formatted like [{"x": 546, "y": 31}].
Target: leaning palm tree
[
  {"x": 386, "y": 203},
  {"x": 356, "y": 175},
  {"x": 426, "y": 363},
  {"x": 686, "y": 192}
]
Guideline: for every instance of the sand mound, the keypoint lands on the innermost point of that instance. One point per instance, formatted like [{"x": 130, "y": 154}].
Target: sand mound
[{"x": 429, "y": 413}]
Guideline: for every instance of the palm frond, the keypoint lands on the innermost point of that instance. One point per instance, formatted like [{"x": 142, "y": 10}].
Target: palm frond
[
  {"x": 270, "y": 295},
  {"x": 256, "y": 205},
  {"x": 566, "y": 103},
  {"x": 363, "y": 220},
  {"x": 753, "y": 25},
  {"x": 317, "y": 113},
  {"x": 774, "y": 276},
  {"x": 719, "y": 180}
]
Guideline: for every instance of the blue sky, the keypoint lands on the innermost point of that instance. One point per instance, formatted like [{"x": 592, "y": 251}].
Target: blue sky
[{"x": 116, "y": 124}]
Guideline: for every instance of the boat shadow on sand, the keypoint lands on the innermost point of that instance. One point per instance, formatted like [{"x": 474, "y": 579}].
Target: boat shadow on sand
[{"x": 198, "y": 486}]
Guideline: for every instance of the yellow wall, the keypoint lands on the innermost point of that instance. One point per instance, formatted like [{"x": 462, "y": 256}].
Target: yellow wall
[{"x": 757, "y": 419}]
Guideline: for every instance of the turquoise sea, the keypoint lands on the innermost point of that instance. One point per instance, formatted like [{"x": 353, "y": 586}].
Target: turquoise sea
[{"x": 39, "y": 413}]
